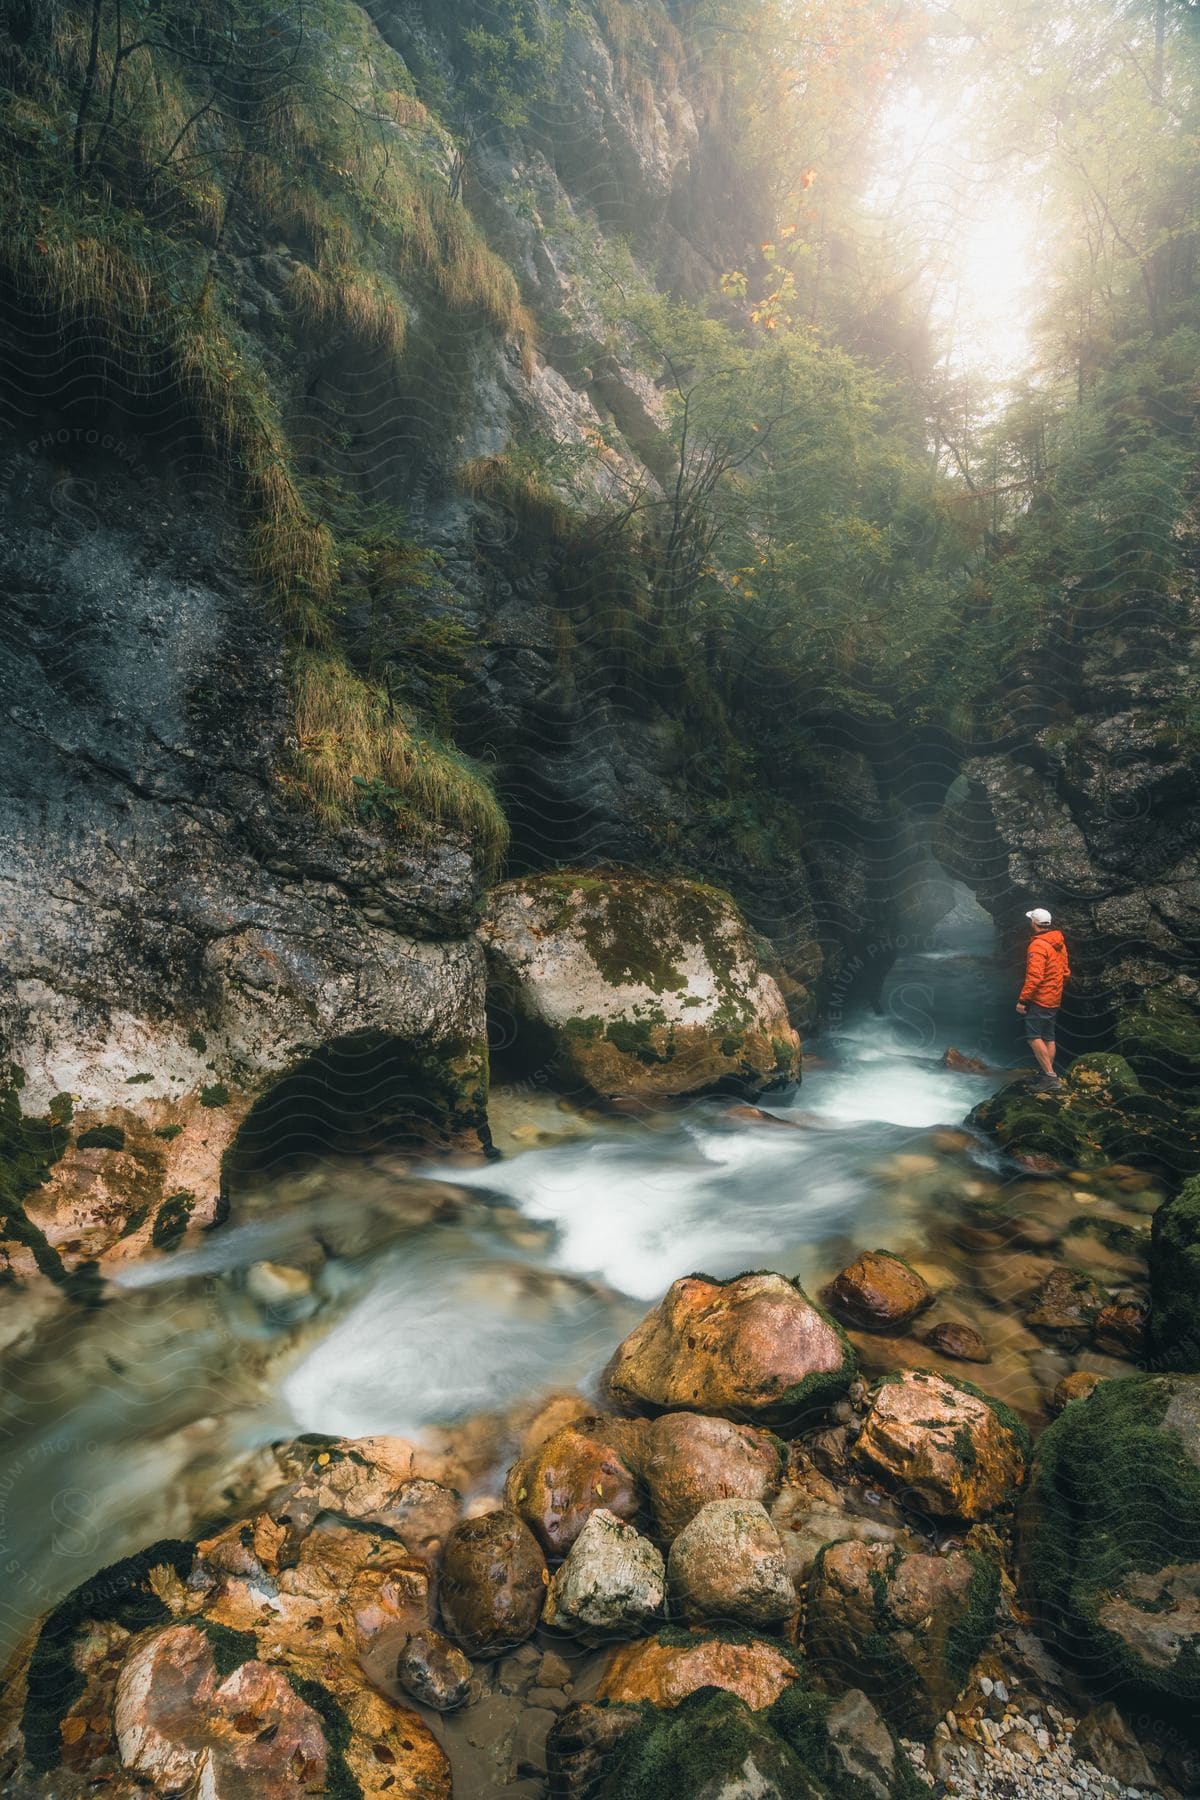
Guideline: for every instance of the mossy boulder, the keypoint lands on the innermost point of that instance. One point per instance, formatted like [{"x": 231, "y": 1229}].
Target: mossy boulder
[
  {"x": 905, "y": 1627},
  {"x": 711, "y": 1745},
  {"x": 1160, "y": 1039},
  {"x": 629, "y": 987},
  {"x": 1101, "y": 1115},
  {"x": 1174, "y": 1261},
  {"x": 1110, "y": 1542}
]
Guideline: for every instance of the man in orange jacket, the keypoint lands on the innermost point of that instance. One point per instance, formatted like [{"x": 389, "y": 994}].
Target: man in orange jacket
[{"x": 1046, "y": 968}]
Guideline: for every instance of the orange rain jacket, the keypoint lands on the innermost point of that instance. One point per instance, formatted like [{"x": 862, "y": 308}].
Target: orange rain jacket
[{"x": 1046, "y": 968}]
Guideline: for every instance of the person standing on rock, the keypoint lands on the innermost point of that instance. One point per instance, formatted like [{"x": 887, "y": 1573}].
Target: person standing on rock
[{"x": 1046, "y": 969}]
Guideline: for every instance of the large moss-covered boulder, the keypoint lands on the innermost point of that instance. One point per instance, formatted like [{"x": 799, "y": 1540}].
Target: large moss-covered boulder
[
  {"x": 1110, "y": 1542},
  {"x": 1174, "y": 1259},
  {"x": 1160, "y": 1039},
  {"x": 1101, "y": 1115},
  {"x": 636, "y": 988},
  {"x": 754, "y": 1348}
]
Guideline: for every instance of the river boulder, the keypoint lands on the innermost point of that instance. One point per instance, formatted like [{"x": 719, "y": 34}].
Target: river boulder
[
  {"x": 1066, "y": 1306},
  {"x": 434, "y": 1671},
  {"x": 588, "y": 1464},
  {"x": 1101, "y": 1115},
  {"x": 1109, "y": 1542},
  {"x": 1174, "y": 1261},
  {"x": 689, "y": 1459},
  {"x": 952, "y": 1451},
  {"x": 635, "y": 987},
  {"x": 878, "y": 1292},
  {"x": 960, "y": 1342},
  {"x": 611, "y": 1584},
  {"x": 728, "y": 1564},
  {"x": 754, "y": 1348},
  {"x": 494, "y": 1580},
  {"x": 666, "y": 1668},
  {"x": 903, "y": 1626}
]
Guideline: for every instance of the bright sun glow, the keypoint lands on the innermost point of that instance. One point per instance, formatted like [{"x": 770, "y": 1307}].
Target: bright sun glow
[{"x": 972, "y": 228}]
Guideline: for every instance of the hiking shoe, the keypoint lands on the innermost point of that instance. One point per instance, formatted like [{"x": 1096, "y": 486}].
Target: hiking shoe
[{"x": 1046, "y": 1084}]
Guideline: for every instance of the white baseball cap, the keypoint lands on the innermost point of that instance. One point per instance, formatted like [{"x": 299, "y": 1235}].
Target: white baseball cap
[{"x": 1039, "y": 916}]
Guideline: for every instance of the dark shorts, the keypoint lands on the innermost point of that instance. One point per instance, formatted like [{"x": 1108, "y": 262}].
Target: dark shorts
[{"x": 1039, "y": 1022}]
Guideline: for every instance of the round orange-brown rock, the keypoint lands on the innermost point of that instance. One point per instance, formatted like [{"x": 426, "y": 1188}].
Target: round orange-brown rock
[
  {"x": 754, "y": 1348},
  {"x": 585, "y": 1465},
  {"x": 878, "y": 1292}
]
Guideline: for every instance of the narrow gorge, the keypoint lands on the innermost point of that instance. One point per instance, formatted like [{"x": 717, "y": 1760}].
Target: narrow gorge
[{"x": 573, "y": 572}]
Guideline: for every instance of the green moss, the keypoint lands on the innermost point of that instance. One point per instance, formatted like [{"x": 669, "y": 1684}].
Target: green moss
[
  {"x": 339, "y": 1782},
  {"x": 585, "y": 1029},
  {"x": 138, "y": 1080},
  {"x": 197, "y": 1042},
  {"x": 970, "y": 1632},
  {"x": 171, "y": 1220},
  {"x": 1113, "y": 1492},
  {"x": 216, "y": 1095},
  {"x": 800, "y": 1716},
  {"x": 118, "y": 1592},
  {"x": 1174, "y": 1263},
  {"x": 135, "y": 1221},
  {"x": 698, "y": 1748},
  {"x": 168, "y": 1132},
  {"x": 101, "y": 1137},
  {"x": 230, "y": 1648},
  {"x": 632, "y": 1037},
  {"x": 964, "y": 1448},
  {"x": 62, "y": 1108}
]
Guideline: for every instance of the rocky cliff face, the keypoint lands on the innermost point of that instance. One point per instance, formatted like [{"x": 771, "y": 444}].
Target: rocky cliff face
[{"x": 179, "y": 934}]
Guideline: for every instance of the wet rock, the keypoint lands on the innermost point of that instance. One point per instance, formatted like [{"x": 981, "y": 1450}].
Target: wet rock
[
  {"x": 612, "y": 1583},
  {"x": 434, "y": 1672},
  {"x": 951, "y": 1452},
  {"x": 1109, "y": 1541},
  {"x": 1105, "y": 1740},
  {"x": 728, "y": 1564},
  {"x": 962, "y": 1342},
  {"x": 904, "y": 1626},
  {"x": 494, "y": 1581},
  {"x": 665, "y": 1672},
  {"x": 588, "y": 1464},
  {"x": 963, "y": 1065},
  {"x": 644, "y": 987},
  {"x": 689, "y": 1459},
  {"x": 375, "y": 1480},
  {"x": 551, "y": 1416},
  {"x": 878, "y": 1292},
  {"x": 754, "y": 1348},
  {"x": 1120, "y": 1328},
  {"x": 1080, "y": 1384},
  {"x": 580, "y": 1744},
  {"x": 1066, "y": 1306},
  {"x": 554, "y": 1671},
  {"x": 179, "y": 1722},
  {"x": 863, "y": 1746}
]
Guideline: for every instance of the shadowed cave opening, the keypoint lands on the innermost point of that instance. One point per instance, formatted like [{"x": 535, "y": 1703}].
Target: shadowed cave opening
[{"x": 362, "y": 1094}]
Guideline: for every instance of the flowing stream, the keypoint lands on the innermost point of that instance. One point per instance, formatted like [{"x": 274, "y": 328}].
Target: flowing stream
[{"x": 425, "y": 1298}]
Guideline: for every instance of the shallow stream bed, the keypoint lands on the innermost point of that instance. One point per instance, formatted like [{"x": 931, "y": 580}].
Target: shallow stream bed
[{"x": 404, "y": 1299}]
